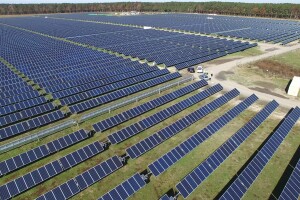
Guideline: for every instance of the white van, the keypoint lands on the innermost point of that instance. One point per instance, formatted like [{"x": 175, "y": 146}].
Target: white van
[{"x": 200, "y": 69}]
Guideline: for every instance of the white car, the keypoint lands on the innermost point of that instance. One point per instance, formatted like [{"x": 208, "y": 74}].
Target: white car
[{"x": 200, "y": 69}]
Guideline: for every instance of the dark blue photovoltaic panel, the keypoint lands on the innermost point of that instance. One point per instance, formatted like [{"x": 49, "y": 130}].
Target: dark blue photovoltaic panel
[
  {"x": 80, "y": 107},
  {"x": 22, "y": 105},
  {"x": 165, "y": 197},
  {"x": 170, "y": 158},
  {"x": 245, "y": 179},
  {"x": 169, "y": 131},
  {"x": 94, "y": 88},
  {"x": 30, "y": 124},
  {"x": 67, "y": 141},
  {"x": 84, "y": 180},
  {"x": 198, "y": 175},
  {"x": 42, "y": 151},
  {"x": 291, "y": 191},
  {"x": 19, "y": 98},
  {"x": 136, "y": 111},
  {"x": 158, "y": 117},
  {"x": 78, "y": 156},
  {"x": 112, "y": 87},
  {"x": 125, "y": 189},
  {"x": 25, "y": 114},
  {"x": 46, "y": 172}
]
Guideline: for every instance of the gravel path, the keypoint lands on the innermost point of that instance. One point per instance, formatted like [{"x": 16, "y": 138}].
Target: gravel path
[{"x": 228, "y": 84}]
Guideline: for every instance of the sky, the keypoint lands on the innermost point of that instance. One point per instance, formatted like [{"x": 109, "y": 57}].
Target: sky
[{"x": 106, "y": 1}]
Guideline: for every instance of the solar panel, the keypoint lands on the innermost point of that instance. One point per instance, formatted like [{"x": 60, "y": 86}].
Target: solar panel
[
  {"x": 22, "y": 105},
  {"x": 67, "y": 141},
  {"x": 23, "y": 159},
  {"x": 107, "y": 83},
  {"x": 245, "y": 179},
  {"x": 125, "y": 189},
  {"x": 291, "y": 190},
  {"x": 167, "y": 160},
  {"x": 207, "y": 167},
  {"x": 165, "y": 197},
  {"x": 30, "y": 124},
  {"x": 40, "y": 152},
  {"x": 169, "y": 131},
  {"x": 84, "y": 180},
  {"x": 35, "y": 177},
  {"x": 156, "y": 118},
  {"x": 25, "y": 114},
  {"x": 136, "y": 111},
  {"x": 80, "y": 107},
  {"x": 80, "y": 155},
  {"x": 112, "y": 87}
]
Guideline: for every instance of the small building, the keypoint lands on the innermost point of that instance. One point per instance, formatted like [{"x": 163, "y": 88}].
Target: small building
[{"x": 294, "y": 86}]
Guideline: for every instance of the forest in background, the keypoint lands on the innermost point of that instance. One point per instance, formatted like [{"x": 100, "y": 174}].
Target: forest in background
[{"x": 291, "y": 11}]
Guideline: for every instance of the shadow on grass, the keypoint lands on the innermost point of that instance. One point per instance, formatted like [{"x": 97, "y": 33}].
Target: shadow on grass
[
  {"x": 219, "y": 195},
  {"x": 288, "y": 86},
  {"x": 285, "y": 176}
]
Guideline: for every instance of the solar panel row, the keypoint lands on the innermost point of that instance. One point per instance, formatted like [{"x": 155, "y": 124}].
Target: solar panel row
[
  {"x": 83, "y": 180},
  {"x": 30, "y": 124},
  {"x": 9, "y": 80},
  {"x": 169, "y": 159},
  {"x": 125, "y": 189},
  {"x": 69, "y": 71},
  {"x": 109, "y": 70},
  {"x": 80, "y": 107},
  {"x": 44, "y": 65},
  {"x": 22, "y": 105},
  {"x": 167, "y": 50},
  {"x": 19, "y": 98},
  {"x": 64, "y": 28},
  {"x": 169, "y": 131},
  {"x": 258, "y": 29},
  {"x": 145, "y": 107},
  {"x": 25, "y": 114},
  {"x": 112, "y": 87},
  {"x": 11, "y": 84},
  {"x": 147, "y": 41},
  {"x": 40, "y": 152},
  {"x": 254, "y": 28},
  {"x": 207, "y": 167},
  {"x": 36, "y": 177},
  {"x": 97, "y": 66},
  {"x": 103, "y": 85},
  {"x": 15, "y": 91},
  {"x": 243, "y": 182},
  {"x": 162, "y": 115},
  {"x": 165, "y": 197},
  {"x": 291, "y": 190}
]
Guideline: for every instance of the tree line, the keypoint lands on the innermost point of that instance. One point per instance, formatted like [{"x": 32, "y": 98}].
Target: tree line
[{"x": 227, "y": 8}]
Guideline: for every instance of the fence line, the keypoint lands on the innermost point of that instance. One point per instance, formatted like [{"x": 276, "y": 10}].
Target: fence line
[
  {"x": 122, "y": 104},
  {"x": 19, "y": 142},
  {"x": 16, "y": 143}
]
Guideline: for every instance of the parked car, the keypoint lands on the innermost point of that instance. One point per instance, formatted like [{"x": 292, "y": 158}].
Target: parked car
[
  {"x": 204, "y": 77},
  {"x": 200, "y": 69},
  {"x": 191, "y": 69}
]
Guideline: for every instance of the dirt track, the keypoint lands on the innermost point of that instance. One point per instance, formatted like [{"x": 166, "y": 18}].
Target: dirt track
[{"x": 218, "y": 72}]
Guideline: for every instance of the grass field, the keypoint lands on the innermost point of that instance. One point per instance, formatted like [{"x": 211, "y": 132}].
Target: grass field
[
  {"x": 158, "y": 186},
  {"x": 254, "y": 51},
  {"x": 273, "y": 73},
  {"x": 291, "y": 59}
]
